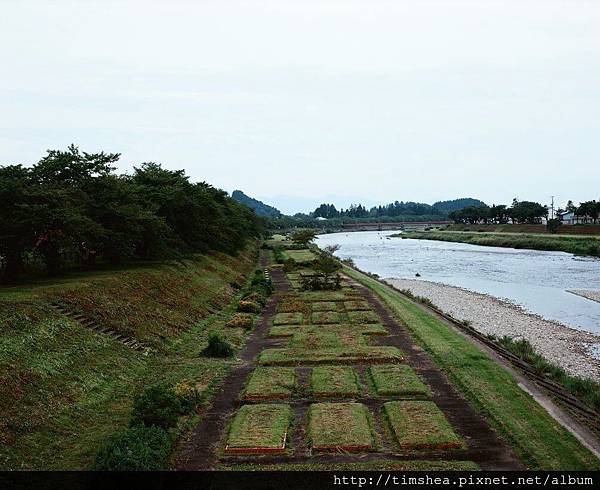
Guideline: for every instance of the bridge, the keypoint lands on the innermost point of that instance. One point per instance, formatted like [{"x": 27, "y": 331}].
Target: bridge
[{"x": 394, "y": 225}]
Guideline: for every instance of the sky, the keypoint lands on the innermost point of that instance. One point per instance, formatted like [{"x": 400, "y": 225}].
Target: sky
[{"x": 300, "y": 102}]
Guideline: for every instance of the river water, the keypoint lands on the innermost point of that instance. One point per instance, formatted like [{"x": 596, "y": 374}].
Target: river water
[{"x": 535, "y": 280}]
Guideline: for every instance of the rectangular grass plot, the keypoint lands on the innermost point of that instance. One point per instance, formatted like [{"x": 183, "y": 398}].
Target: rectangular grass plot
[
  {"x": 324, "y": 317},
  {"x": 259, "y": 429},
  {"x": 340, "y": 427},
  {"x": 358, "y": 317},
  {"x": 356, "y": 305},
  {"x": 420, "y": 425},
  {"x": 397, "y": 379},
  {"x": 324, "y": 306},
  {"x": 341, "y": 355},
  {"x": 334, "y": 381},
  {"x": 295, "y": 318},
  {"x": 271, "y": 383}
]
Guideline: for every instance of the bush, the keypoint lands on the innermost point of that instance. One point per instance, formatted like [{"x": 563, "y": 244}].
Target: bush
[
  {"x": 188, "y": 394},
  {"x": 158, "y": 405},
  {"x": 247, "y": 306},
  {"x": 135, "y": 449},
  {"x": 242, "y": 320},
  {"x": 289, "y": 265},
  {"x": 255, "y": 297},
  {"x": 217, "y": 347}
]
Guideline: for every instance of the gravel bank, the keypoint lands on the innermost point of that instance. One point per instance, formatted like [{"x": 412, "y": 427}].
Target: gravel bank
[
  {"x": 592, "y": 294},
  {"x": 562, "y": 345}
]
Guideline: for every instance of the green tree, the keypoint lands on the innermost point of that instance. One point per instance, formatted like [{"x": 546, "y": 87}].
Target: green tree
[{"x": 303, "y": 237}]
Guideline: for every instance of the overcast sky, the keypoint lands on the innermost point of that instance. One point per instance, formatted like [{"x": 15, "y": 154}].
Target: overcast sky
[{"x": 335, "y": 100}]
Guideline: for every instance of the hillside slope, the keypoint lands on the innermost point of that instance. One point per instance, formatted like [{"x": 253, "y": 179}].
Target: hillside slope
[
  {"x": 260, "y": 208},
  {"x": 65, "y": 389}
]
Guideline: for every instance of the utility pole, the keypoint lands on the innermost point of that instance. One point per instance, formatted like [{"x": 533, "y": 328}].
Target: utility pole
[{"x": 552, "y": 207}]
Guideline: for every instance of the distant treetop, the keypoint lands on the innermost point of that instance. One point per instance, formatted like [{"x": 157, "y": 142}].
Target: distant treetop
[
  {"x": 458, "y": 204},
  {"x": 260, "y": 208}
]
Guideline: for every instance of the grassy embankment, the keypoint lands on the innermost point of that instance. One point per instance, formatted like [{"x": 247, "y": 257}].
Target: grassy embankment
[
  {"x": 535, "y": 436},
  {"x": 65, "y": 389},
  {"x": 578, "y": 245}
]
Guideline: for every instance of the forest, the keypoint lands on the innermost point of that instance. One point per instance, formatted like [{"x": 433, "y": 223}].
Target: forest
[{"x": 72, "y": 211}]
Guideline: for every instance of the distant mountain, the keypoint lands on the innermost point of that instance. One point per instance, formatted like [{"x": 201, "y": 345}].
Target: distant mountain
[
  {"x": 457, "y": 204},
  {"x": 260, "y": 208}
]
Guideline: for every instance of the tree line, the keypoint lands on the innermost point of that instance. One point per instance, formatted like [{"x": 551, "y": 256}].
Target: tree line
[
  {"x": 520, "y": 212},
  {"x": 72, "y": 210}
]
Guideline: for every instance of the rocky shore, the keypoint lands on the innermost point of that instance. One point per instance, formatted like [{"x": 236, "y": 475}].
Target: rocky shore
[{"x": 569, "y": 348}]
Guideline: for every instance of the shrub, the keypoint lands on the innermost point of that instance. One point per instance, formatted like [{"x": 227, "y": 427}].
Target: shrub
[
  {"x": 255, "y": 297},
  {"x": 248, "y": 306},
  {"x": 289, "y": 265},
  {"x": 188, "y": 394},
  {"x": 239, "y": 320},
  {"x": 158, "y": 405},
  {"x": 135, "y": 449},
  {"x": 217, "y": 347}
]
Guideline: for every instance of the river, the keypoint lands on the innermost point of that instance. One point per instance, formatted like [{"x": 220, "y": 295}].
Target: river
[{"x": 535, "y": 280}]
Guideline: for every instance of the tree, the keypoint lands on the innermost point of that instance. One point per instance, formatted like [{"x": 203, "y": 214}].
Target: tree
[{"x": 303, "y": 237}]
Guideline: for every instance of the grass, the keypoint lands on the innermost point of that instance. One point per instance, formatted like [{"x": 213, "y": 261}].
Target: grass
[
  {"x": 418, "y": 424},
  {"x": 571, "y": 244},
  {"x": 340, "y": 426},
  {"x": 340, "y": 355},
  {"x": 325, "y": 317},
  {"x": 64, "y": 390},
  {"x": 365, "y": 329},
  {"x": 259, "y": 428},
  {"x": 322, "y": 296},
  {"x": 539, "y": 441},
  {"x": 295, "y": 318},
  {"x": 359, "y": 317},
  {"x": 332, "y": 381},
  {"x": 396, "y": 379},
  {"x": 365, "y": 466},
  {"x": 356, "y": 305},
  {"x": 267, "y": 383},
  {"x": 586, "y": 389},
  {"x": 324, "y": 306},
  {"x": 301, "y": 256}
]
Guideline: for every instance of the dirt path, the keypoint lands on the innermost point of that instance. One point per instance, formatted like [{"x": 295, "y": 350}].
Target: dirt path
[{"x": 483, "y": 445}]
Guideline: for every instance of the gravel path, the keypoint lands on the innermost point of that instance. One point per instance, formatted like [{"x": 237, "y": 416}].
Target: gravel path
[
  {"x": 562, "y": 345},
  {"x": 592, "y": 294}
]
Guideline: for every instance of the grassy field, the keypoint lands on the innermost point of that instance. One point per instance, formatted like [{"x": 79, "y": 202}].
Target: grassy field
[
  {"x": 419, "y": 424},
  {"x": 536, "y": 437},
  {"x": 65, "y": 389},
  {"x": 265, "y": 383},
  {"x": 366, "y": 466},
  {"x": 396, "y": 379},
  {"x": 340, "y": 426},
  {"x": 260, "y": 428},
  {"x": 334, "y": 381},
  {"x": 578, "y": 245},
  {"x": 578, "y": 230}
]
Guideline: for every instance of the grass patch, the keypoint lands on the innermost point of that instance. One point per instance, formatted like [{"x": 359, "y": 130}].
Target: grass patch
[
  {"x": 540, "y": 441},
  {"x": 288, "y": 318},
  {"x": 324, "y": 306},
  {"x": 339, "y": 427},
  {"x": 332, "y": 381},
  {"x": 325, "y": 317},
  {"x": 571, "y": 244},
  {"x": 586, "y": 389},
  {"x": 419, "y": 424},
  {"x": 65, "y": 390},
  {"x": 366, "y": 466},
  {"x": 322, "y": 296},
  {"x": 365, "y": 329},
  {"x": 267, "y": 383},
  {"x": 358, "y": 317},
  {"x": 341, "y": 355},
  {"x": 396, "y": 379},
  {"x": 300, "y": 256},
  {"x": 356, "y": 305},
  {"x": 259, "y": 429}
]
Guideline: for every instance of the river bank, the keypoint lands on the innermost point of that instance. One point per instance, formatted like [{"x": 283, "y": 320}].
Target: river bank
[
  {"x": 560, "y": 344},
  {"x": 577, "y": 245}
]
